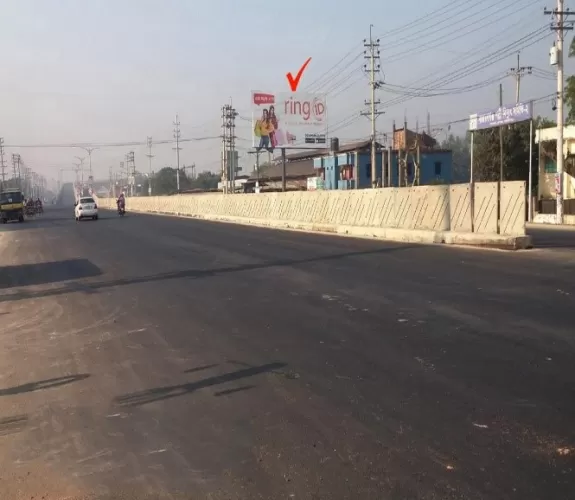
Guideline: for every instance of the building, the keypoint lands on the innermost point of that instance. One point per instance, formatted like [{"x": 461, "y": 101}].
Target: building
[
  {"x": 299, "y": 168},
  {"x": 350, "y": 167},
  {"x": 547, "y": 186}
]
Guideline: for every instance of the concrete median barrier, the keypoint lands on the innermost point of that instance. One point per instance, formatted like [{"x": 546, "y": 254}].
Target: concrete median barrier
[{"x": 423, "y": 214}]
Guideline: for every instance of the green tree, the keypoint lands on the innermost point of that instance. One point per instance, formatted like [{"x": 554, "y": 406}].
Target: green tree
[
  {"x": 206, "y": 180},
  {"x": 515, "y": 152},
  {"x": 459, "y": 146},
  {"x": 165, "y": 182}
]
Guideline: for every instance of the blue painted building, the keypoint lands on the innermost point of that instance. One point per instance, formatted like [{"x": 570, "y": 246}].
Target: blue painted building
[{"x": 350, "y": 168}]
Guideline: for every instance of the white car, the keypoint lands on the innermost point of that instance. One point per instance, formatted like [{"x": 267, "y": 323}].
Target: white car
[{"x": 86, "y": 208}]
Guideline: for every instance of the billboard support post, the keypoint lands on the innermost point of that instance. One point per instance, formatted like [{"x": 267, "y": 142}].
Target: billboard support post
[{"x": 283, "y": 169}]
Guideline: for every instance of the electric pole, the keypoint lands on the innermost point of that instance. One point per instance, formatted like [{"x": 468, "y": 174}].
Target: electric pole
[
  {"x": 519, "y": 72},
  {"x": 373, "y": 55},
  {"x": 16, "y": 169},
  {"x": 177, "y": 136},
  {"x": 150, "y": 156},
  {"x": 2, "y": 163},
  {"x": 131, "y": 172},
  {"x": 89, "y": 151},
  {"x": 81, "y": 167},
  {"x": 559, "y": 14},
  {"x": 224, "y": 151},
  {"x": 229, "y": 147}
]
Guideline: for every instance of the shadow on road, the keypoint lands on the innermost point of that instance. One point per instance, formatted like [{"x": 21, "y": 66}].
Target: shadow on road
[
  {"x": 43, "y": 384},
  {"x": 47, "y": 272},
  {"x": 552, "y": 237},
  {"x": 11, "y": 425},
  {"x": 191, "y": 273},
  {"x": 201, "y": 368},
  {"x": 172, "y": 391}
]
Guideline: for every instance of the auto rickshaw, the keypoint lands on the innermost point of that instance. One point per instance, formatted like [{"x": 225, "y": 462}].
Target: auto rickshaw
[{"x": 11, "y": 205}]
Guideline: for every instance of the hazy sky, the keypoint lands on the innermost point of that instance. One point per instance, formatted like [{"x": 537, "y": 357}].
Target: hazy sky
[{"x": 115, "y": 71}]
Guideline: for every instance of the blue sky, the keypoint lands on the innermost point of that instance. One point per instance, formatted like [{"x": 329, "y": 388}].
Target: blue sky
[{"x": 113, "y": 71}]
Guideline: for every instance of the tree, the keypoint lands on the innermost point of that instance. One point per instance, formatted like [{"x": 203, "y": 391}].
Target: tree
[
  {"x": 459, "y": 146},
  {"x": 206, "y": 180},
  {"x": 486, "y": 155},
  {"x": 165, "y": 182}
]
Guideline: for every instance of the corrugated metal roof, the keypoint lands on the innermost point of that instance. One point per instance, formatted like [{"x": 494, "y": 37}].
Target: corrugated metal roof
[{"x": 302, "y": 168}]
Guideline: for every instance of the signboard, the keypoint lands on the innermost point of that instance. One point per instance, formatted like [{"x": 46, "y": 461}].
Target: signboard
[
  {"x": 288, "y": 120},
  {"x": 505, "y": 115}
]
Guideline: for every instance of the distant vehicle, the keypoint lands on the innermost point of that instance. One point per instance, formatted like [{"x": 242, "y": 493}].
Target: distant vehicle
[
  {"x": 11, "y": 205},
  {"x": 86, "y": 208}
]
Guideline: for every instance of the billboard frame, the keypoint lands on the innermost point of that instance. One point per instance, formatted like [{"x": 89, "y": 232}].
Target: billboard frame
[{"x": 274, "y": 95}]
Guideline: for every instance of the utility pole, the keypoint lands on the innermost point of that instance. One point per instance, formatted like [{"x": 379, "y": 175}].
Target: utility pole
[
  {"x": 177, "y": 136},
  {"x": 81, "y": 166},
  {"x": 519, "y": 72},
  {"x": 559, "y": 14},
  {"x": 16, "y": 169},
  {"x": 150, "y": 156},
  {"x": 224, "y": 151},
  {"x": 2, "y": 163},
  {"x": 131, "y": 172},
  {"x": 229, "y": 146},
  {"x": 373, "y": 55},
  {"x": 89, "y": 151}
]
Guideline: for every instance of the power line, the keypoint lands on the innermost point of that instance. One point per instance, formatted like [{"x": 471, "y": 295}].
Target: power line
[
  {"x": 450, "y": 27},
  {"x": 324, "y": 79},
  {"x": 482, "y": 63},
  {"x": 110, "y": 144}
]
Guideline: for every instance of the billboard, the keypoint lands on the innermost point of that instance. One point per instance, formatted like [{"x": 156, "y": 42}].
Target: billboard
[
  {"x": 288, "y": 120},
  {"x": 505, "y": 115}
]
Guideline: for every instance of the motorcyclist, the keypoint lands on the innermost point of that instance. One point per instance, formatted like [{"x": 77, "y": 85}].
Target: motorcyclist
[
  {"x": 121, "y": 201},
  {"x": 39, "y": 205}
]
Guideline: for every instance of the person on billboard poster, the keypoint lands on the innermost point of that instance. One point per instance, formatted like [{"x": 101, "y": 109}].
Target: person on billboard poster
[
  {"x": 263, "y": 129},
  {"x": 279, "y": 137},
  {"x": 275, "y": 125}
]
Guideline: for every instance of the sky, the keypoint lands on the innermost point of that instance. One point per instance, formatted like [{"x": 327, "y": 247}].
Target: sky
[{"x": 102, "y": 71}]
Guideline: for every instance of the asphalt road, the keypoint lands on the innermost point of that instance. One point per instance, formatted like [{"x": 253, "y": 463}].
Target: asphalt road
[{"x": 156, "y": 357}]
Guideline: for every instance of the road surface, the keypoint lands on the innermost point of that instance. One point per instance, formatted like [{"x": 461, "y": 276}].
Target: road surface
[{"x": 157, "y": 357}]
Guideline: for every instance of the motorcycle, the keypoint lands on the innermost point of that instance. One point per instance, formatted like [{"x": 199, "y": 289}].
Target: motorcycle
[{"x": 121, "y": 210}]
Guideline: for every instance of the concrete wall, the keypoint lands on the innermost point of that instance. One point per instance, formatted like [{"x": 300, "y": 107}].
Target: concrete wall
[{"x": 432, "y": 208}]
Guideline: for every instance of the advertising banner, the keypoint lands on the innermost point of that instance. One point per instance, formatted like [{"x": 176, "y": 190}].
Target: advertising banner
[
  {"x": 505, "y": 115},
  {"x": 288, "y": 120}
]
